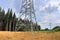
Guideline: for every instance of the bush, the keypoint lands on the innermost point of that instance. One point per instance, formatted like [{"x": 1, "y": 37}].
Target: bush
[{"x": 57, "y": 28}]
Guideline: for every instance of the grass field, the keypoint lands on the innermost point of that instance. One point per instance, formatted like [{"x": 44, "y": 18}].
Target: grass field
[{"x": 29, "y": 35}]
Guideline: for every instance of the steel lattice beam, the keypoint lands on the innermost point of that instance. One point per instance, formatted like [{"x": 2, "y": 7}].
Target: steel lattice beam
[{"x": 27, "y": 10}]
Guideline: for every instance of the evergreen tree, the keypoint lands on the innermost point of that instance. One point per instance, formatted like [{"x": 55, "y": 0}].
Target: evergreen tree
[
  {"x": 13, "y": 22},
  {"x": 3, "y": 20},
  {"x": 7, "y": 20},
  {"x": 10, "y": 20},
  {"x": 2, "y": 13}
]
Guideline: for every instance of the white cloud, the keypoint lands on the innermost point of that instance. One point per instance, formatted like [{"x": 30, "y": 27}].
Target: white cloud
[
  {"x": 51, "y": 15},
  {"x": 51, "y": 3},
  {"x": 44, "y": 21},
  {"x": 58, "y": 8},
  {"x": 57, "y": 21},
  {"x": 42, "y": 8},
  {"x": 54, "y": 3}
]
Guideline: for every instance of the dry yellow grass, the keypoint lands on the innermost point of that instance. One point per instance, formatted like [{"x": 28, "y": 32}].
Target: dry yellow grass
[{"x": 29, "y": 36}]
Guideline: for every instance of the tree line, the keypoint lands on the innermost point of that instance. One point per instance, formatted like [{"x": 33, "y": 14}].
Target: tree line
[
  {"x": 56, "y": 28},
  {"x": 9, "y": 22}
]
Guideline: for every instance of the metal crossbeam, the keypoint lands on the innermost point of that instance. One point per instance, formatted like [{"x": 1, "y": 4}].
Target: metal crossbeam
[{"x": 27, "y": 10}]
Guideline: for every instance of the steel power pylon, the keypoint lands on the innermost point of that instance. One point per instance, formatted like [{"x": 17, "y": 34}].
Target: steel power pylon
[{"x": 27, "y": 12}]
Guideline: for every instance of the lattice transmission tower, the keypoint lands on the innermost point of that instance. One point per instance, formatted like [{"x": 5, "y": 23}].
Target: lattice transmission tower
[{"x": 27, "y": 12}]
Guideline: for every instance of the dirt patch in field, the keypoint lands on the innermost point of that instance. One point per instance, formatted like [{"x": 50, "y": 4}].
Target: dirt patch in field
[{"x": 29, "y": 36}]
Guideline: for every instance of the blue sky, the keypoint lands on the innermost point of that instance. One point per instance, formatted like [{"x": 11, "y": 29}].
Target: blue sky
[{"x": 47, "y": 11}]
